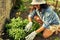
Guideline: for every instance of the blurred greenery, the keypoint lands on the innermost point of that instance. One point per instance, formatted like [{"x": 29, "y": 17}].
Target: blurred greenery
[
  {"x": 57, "y": 38},
  {"x": 22, "y": 5}
]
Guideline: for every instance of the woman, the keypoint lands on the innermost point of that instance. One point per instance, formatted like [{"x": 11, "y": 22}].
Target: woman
[{"x": 44, "y": 15}]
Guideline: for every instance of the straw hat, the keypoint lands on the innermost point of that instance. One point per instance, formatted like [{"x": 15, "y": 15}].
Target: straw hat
[{"x": 34, "y": 2}]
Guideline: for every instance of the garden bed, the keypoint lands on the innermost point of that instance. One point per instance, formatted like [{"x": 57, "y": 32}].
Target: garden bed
[{"x": 6, "y": 36}]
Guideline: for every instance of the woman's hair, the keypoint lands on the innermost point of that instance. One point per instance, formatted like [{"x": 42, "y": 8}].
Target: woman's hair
[{"x": 44, "y": 6}]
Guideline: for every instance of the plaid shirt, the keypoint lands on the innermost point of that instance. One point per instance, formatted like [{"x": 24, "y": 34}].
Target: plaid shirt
[{"x": 48, "y": 16}]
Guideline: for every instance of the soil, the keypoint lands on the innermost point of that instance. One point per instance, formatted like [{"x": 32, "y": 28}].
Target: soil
[{"x": 53, "y": 37}]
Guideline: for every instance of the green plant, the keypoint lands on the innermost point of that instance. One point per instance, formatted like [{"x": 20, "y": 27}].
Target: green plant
[
  {"x": 16, "y": 33},
  {"x": 15, "y": 28},
  {"x": 17, "y": 23}
]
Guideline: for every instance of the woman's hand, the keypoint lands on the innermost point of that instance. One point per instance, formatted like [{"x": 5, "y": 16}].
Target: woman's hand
[
  {"x": 31, "y": 36},
  {"x": 28, "y": 26},
  {"x": 37, "y": 7},
  {"x": 32, "y": 8}
]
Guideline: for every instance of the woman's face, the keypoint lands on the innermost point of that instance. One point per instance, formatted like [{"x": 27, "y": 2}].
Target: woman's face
[{"x": 36, "y": 6}]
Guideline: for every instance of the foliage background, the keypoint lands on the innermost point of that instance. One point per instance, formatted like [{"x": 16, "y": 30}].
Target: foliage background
[{"x": 21, "y": 8}]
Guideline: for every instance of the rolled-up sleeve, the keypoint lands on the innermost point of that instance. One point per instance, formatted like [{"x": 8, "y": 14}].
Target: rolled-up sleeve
[
  {"x": 32, "y": 14},
  {"x": 47, "y": 20}
]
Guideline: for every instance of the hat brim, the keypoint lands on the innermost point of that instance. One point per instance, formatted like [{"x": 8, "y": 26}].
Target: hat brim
[{"x": 34, "y": 3}]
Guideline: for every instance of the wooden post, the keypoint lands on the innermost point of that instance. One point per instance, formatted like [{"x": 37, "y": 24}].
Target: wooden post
[
  {"x": 5, "y": 6},
  {"x": 56, "y": 4},
  {"x": 47, "y": 1}
]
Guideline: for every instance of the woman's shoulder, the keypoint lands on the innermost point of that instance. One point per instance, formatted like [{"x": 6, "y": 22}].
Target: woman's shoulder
[{"x": 49, "y": 9}]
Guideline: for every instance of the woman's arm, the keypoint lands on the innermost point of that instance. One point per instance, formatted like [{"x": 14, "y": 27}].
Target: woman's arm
[
  {"x": 32, "y": 12},
  {"x": 40, "y": 29},
  {"x": 47, "y": 21},
  {"x": 38, "y": 20},
  {"x": 30, "y": 19},
  {"x": 30, "y": 16}
]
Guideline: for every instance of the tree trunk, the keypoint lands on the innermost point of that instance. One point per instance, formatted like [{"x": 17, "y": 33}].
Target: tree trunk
[{"x": 5, "y": 6}]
